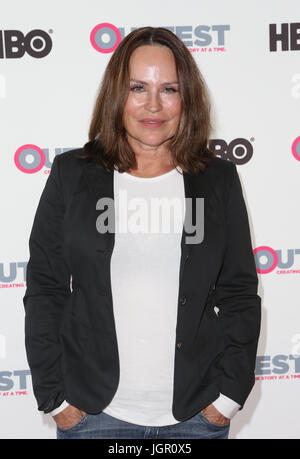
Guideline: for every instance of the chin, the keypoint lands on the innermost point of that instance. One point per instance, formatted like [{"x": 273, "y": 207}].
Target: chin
[{"x": 149, "y": 141}]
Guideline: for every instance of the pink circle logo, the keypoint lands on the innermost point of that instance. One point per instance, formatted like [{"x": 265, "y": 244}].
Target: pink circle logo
[
  {"x": 105, "y": 29},
  {"x": 296, "y": 148},
  {"x": 271, "y": 259},
  {"x": 33, "y": 151}
]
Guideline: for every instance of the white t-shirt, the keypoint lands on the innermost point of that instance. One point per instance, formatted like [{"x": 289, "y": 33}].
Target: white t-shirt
[{"x": 149, "y": 215}]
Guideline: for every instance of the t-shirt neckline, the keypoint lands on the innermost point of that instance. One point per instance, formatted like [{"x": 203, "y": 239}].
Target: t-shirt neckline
[{"x": 150, "y": 179}]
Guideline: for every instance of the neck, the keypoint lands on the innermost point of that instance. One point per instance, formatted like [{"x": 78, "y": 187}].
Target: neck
[{"x": 152, "y": 161}]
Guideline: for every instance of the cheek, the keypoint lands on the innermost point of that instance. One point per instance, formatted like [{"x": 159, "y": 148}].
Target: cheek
[
  {"x": 132, "y": 106},
  {"x": 174, "y": 107}
]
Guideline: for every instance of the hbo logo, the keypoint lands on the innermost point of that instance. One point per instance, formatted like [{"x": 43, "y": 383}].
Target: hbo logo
[
  {"x": 13, "y": 43},
  {"x": 239, "y": 151}
]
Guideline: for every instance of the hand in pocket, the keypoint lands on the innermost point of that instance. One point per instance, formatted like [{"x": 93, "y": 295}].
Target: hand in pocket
[
  {"x": 69, "y": 417},
  {"x": 214, "y": 416}
]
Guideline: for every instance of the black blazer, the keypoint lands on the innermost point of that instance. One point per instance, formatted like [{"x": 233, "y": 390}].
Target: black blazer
[{"x": 70, "y": 336}]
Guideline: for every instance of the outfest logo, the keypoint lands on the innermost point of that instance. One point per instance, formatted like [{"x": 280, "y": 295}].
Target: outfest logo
[
  {"x": 105, "y": 37},
  {"x": 13, "y": 274},
  {"x": 277, "y": 367},
  {"x": 267, "y": 260},
  {"x": 14, "y": 383},
  {"x": 30, "y": 158}
]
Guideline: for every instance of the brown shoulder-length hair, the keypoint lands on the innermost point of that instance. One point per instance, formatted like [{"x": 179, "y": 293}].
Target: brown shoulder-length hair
[{"x": 108, "y": 144}]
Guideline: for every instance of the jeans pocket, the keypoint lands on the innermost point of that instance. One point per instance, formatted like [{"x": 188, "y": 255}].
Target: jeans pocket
[
  {"x": 75, "y": 426},
  {"x": 212, "y": 424}
]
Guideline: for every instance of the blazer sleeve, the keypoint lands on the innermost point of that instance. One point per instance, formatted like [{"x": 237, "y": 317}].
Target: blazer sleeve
[
  {"x": 237, "y": 299},
  {"x": 47, "y": 292}
]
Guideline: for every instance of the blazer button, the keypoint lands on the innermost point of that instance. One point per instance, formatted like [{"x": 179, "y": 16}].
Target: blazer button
[
  {"x": 179, "y": 345},
  {"x": 182, "y": 300}
]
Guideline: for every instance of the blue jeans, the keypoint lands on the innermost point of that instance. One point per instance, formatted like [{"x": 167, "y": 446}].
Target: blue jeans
[{"x": 102, "y": 426}]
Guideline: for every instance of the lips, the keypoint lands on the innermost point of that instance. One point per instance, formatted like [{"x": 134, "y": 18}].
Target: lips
[{"x": 152, "y": 122}]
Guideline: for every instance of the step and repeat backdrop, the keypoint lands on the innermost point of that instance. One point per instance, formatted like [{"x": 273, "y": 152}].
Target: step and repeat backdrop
[{"x": 52, "y": 58}]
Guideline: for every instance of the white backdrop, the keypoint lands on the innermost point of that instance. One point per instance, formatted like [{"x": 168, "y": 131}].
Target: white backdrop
[{"x": 48, "y": 87}]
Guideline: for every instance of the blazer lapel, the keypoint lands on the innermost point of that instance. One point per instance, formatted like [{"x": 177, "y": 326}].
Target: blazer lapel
[
  {"x": 101, "y": 185},
  {"x": 195, "y": 187}
]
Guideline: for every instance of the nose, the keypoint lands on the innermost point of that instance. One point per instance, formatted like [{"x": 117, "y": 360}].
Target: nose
[{"x": 153, "y": 102}]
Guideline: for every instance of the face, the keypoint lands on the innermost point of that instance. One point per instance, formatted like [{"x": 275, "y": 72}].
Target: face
[{"x": 153, "y": 108}]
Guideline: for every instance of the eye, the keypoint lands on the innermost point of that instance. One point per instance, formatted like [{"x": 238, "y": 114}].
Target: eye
[
  {"x": 169, "y": 89},
  {"x": 136, "y": 88},
  {"x": 139, "y": 88}
]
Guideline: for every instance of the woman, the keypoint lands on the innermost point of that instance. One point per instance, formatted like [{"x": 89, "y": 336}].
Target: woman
[{"x": 158, "y": 337}]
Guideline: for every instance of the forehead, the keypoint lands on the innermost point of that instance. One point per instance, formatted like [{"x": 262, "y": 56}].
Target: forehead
[{"x": 157, "y": 58}]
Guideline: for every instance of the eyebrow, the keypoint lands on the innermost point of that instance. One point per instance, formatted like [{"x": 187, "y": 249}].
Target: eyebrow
[{"x": 144, "y": 82}]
